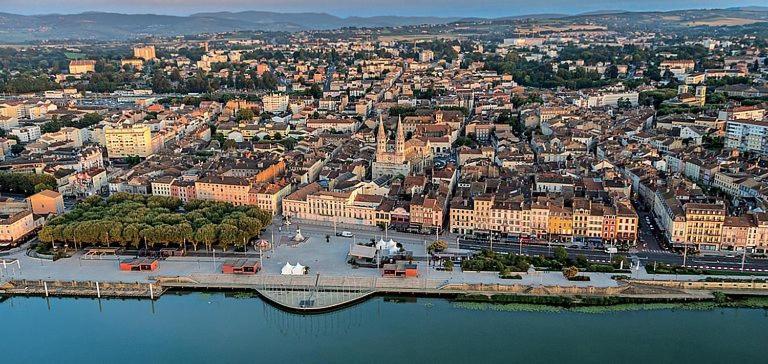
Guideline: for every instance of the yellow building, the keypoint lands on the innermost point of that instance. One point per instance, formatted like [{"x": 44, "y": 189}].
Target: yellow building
[
  {"x": 313, "y": 203},
  {"x": 78, "y": 67},
  {"x": 234, "y": 190},
  {"x": 15, "y": 226},
  {"x": 126, "y": 141},
  {"x": 146, "y": 53},
  {"x": 560, "y": 221},
  {"x": 627, "y": 222},
  {"x": 269, "y": 196},
  {"x": 47, "y": 202},
  {"x": 704, "y": 225},
  {"x": 136, "y": 63}
]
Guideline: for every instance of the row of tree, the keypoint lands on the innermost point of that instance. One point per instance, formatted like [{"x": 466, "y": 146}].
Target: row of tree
[
  {"x": 26, "y": 184},
  {"x": 137, "y": 221}
]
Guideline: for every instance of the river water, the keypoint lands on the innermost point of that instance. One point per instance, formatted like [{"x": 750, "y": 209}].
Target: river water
[{"x": 214, "y": 328}]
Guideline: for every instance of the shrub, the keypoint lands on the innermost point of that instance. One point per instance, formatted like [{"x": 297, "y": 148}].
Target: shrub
[
  {"x": 438, "y": 246},
  {"x": 570, "y": 272},
  {"x": 448, "y": 265},
  {"x": 579, "y": 278}
]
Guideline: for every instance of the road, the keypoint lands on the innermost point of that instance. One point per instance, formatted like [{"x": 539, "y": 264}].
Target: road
[{"x": 646, "y": 256}]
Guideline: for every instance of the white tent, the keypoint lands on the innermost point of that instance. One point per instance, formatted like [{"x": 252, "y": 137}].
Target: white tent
[
  {"x": 391, "y": 244},
  {"x": 381, "y": 245},
  {"x": 298, "y": 269},
  {"x": 287, "y": 269}
]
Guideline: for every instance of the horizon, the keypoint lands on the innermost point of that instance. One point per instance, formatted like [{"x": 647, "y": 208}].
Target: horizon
[{"x": 342, "y": 8}]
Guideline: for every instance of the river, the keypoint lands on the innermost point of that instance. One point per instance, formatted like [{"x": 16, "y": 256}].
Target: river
[{"x": 201, "y": 327}]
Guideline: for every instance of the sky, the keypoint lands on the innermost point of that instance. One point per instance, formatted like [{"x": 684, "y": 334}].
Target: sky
[{"x": 460, "y": 8}]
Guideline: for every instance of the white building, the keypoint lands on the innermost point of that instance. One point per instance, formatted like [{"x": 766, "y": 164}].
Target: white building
[
  {"x": 26, "y": 134},
  {"x": 275, "y": 103},
  {"x": 747, "y": 135}
]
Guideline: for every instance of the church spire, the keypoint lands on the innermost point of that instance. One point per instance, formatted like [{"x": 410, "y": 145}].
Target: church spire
[
  {"x": 381, "y": 138},
  {"x": 400, "y": 138}
]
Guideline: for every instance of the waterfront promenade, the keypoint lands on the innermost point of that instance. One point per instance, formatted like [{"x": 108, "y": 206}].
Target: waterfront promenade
[{"x": 331, "y": 280}]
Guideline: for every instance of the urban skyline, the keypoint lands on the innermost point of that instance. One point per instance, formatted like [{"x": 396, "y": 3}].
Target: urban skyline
[{"x": 237, "y": 187}]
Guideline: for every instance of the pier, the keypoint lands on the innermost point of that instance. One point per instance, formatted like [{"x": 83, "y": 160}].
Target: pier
[{"x": 81, "y": 289}]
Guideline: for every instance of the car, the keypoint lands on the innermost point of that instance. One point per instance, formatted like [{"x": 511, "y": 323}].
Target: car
[{"x": 345, "y": 234}]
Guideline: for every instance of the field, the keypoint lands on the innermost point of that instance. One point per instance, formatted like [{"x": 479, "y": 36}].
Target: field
[{"x": 720, "y": 22}]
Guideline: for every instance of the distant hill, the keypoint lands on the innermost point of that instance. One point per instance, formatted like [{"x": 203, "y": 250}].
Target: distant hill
[
  {"x": 674, "y": 20},
  {"x": 114, "y": 26},
  {"x": 108, "y": 26}
]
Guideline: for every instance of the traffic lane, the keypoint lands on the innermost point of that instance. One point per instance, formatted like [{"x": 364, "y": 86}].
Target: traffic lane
[
  {"x": 702, "y": 261},
  {"x": 514, "y": 248}
]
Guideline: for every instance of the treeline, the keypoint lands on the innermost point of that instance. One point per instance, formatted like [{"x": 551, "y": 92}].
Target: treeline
[
  {"x": 57, "y": 123},
  {"x": 27, "y": 83},
  {"x": 26, "y": 183},
  {"x": 129, "y": 220},
  {"x": 537, "y": 74}
]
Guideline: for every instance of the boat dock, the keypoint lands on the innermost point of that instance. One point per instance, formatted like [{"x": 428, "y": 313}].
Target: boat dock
[{"x": 81, "y": 289}]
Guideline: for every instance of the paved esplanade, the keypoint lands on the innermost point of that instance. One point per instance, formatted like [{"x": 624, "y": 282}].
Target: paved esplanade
[{"x": 324, "y": 258}]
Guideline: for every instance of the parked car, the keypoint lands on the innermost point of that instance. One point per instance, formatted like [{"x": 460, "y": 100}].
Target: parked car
[{"x": 345, "y": 234}]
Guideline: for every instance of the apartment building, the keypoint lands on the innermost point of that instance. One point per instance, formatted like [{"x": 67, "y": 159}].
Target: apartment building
[
  {"x": 234, "y": 190},
  {"x": 269, "y": 196},
  {"x": 129, "y": 140},
  {"x": 146, "y": 53},
  {"x": 585, "y": 219},
  {"x": 747, "y": 135},
  {"x": 16, "y": 225},
  {"x": 78, "y": 67},
  {"x": 275, "y": 103},
  {"x": 704, "y": 225}
]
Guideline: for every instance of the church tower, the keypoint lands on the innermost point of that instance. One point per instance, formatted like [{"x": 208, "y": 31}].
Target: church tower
[{"x": 400, "y": 142}]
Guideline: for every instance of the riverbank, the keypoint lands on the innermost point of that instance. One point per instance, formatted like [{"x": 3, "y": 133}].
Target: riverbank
[{"x": 316, "y": 294}]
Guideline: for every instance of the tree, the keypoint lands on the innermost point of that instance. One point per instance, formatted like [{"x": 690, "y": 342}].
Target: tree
[
  {"x": 206, "y": 234},
  {"x": 581, "y": 261},
  {"x": 624, "y": 103},
  {"x": 132, "y": 160},
  {"x": 570, "y": 272},
  {"x": 448, "y": 265},
  {"x": 612, "y": 72},
  {"x": 561, "y": 255},
  {"x": 228, "y": 235},
  {"x": 115, "y": 232},
  {"x": 185, "y": 233},
  {"x": 17, "y": 149},
  {"x": 438, "y": 246},
  {"x": 131, "y": 235},
  {"x": 46, "y": 234},
  {"x": 245, "y": 114},
  {"x": 88, "y": 119}
]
